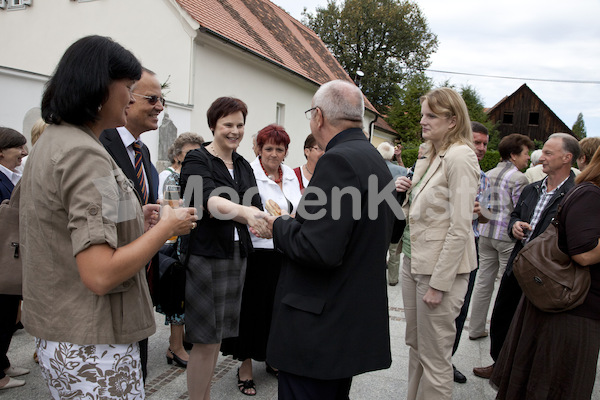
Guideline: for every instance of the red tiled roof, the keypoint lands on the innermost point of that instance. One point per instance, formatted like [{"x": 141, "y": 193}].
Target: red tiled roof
[{"x": 267, "y": 30}]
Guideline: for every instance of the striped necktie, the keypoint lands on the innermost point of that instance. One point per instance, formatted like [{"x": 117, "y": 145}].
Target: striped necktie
[{"x": 139, "y": 170}]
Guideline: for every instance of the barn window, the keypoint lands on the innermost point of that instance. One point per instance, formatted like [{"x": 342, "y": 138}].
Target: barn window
[
  {"x": 534, "y": 118},
  {"x": 507, "y": 118}
]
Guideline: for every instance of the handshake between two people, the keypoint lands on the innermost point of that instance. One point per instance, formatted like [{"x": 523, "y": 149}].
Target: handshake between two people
[{"x": 264, "y": 224}]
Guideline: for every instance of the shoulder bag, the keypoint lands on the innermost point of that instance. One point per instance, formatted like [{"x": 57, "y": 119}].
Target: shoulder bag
[
  {"x": 549, "y": 278},
  {"x": 11, "y": 273}
]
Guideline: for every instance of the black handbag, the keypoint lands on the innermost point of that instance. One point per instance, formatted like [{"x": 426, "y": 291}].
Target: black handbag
[
  {"x": 171, "y": 278},
  {"x": 171, "y": 272}
]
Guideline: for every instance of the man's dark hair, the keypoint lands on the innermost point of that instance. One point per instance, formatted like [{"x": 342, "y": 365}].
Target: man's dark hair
[
  {"x": 479, "y": 127},
  {"x": 82, "y": 78}
]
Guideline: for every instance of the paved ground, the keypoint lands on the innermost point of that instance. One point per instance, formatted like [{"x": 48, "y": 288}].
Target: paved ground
[{"x": 169, "y": 382}]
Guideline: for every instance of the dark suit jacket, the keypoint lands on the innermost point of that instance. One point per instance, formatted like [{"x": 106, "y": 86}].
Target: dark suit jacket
[
  {"x": 526, "y": 206},
  {"x": 111, "y": 140},
  {"x": 330, "y": 317},
  {"x": 6, "y": 187}
]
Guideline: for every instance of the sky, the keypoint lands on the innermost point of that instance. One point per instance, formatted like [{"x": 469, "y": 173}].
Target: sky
[{"x": 547, "y": 40}]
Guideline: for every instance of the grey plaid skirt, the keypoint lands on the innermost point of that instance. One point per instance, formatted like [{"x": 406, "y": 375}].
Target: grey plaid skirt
[{"x": 213, "y": 296}]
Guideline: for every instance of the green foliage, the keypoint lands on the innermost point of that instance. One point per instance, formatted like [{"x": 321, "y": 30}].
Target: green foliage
[
  {"x": 579, "y": 127},
  {"x": 409, "y": 156},
  {"x": 539, "y": 144},
  {"x": 405, "y": 113},
  {"x": 490, "y": 160},
  {"x": 382, "y": 38}
]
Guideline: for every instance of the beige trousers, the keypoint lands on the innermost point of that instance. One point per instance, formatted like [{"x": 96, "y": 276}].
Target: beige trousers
[
  {"x": 430, "y": 334},
  {"x": 493, "y": 256}
]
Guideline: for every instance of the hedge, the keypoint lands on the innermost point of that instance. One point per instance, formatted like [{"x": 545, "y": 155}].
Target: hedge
[{"x": 490, "y": 160}]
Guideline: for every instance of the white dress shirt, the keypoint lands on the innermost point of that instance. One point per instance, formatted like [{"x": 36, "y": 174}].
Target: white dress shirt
[{"x": 269, "y": 190}]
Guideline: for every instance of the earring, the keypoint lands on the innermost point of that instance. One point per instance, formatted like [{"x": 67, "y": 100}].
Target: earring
[{"x": 99, "y": 107}]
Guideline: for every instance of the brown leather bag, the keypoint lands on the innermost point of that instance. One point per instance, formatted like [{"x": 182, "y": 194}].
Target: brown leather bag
[
  {"x": 11, "y": 275},
  {"x": 550, "y": 279}
]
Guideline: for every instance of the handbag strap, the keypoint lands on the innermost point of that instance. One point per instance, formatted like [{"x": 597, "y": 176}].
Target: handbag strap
[{"x": 555, "y": 220}]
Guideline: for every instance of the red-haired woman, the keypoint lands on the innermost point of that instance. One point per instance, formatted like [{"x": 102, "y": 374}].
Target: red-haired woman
[{"x": 277, "y": 182}]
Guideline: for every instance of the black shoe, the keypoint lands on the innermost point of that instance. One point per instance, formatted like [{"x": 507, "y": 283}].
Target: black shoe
[
  {"x": 458, "y": 376},
  {"x": 272, "y": 371},
  {"x": 187, "y": 345},
  {"x": 178, "y": 361}
]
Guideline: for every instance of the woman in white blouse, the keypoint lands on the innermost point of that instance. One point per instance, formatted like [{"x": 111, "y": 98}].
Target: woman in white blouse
[{"x": 277, "y": 182}]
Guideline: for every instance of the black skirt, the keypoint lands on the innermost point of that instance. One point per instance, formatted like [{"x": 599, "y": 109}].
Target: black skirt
[
  {"x": 213, "y": 294},
  {"x": 549, "y": 356},
  {"x": 264, "y": 266}
]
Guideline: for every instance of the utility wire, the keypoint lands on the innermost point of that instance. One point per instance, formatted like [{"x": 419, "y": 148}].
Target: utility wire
[{"x": 515, "y": 78}]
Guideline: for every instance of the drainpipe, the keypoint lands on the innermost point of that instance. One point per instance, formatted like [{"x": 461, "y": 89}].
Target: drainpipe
[{"x": 371, "y": 127}]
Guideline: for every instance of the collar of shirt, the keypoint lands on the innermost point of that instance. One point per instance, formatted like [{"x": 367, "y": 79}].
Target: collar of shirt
[
  {"x": 12, "y": 175},
  {"x": 544, "y": 186},
  {"x": 126, "y": 136}
]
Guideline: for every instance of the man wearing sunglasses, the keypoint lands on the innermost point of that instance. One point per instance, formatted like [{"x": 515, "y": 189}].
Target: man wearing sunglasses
[{"x": 133, "y": 156}]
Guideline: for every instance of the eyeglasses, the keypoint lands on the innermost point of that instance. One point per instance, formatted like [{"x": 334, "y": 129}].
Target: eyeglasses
[
  {"x": 152, "y": 99},
  {"x": 308, "y": 113}
]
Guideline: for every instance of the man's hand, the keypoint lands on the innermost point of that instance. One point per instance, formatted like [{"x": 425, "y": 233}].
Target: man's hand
[{"x": 520, "y": 229}]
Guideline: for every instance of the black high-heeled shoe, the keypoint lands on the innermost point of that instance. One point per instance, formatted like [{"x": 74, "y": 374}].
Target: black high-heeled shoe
[{"x": 178, "y": 361}]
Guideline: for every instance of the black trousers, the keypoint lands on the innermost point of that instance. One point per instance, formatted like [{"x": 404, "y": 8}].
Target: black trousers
[
  {"x": 295, "y": 387},
  {"x": 462, "y": 317},
  {"x": 144, "y": 357},
  {"x": 507, "y": 300},
  {"x": 9, "y": 307}
]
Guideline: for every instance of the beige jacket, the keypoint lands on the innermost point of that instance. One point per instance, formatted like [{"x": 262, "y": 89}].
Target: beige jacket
[
  {"x": 440, "y": 215},
  {"x": 73, "y": 196}
]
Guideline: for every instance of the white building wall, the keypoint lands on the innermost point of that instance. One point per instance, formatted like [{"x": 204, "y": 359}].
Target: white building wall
[
  {"x": 36, "y": 37},
  {"x": 224, "y": 70}
]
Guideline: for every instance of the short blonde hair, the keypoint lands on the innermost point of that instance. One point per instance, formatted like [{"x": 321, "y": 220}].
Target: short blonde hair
[
  {"x": 446, "y": 102},
  {"x": 37, "y": 130}
]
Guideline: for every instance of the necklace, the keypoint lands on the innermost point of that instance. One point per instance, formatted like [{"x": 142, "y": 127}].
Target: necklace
[
  {"x": 307, "y": 170},
  {"x": 218, "y": 156},
  {"x": 271, "y": 177}
]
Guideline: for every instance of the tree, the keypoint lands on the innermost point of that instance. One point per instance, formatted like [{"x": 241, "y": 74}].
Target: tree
[
  {"x": 405, "y": 112},
  {"x": 579, "y": 127},
  {"x": 385, "y": 39},
  {"x": 476, "y": 113}
]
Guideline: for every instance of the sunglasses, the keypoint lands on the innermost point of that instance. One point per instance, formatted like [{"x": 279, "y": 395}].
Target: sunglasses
[{"x": 152, "y": 99}]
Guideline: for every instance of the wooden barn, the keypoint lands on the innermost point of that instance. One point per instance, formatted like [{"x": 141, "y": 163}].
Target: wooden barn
[{"x": 524, "y": 112}]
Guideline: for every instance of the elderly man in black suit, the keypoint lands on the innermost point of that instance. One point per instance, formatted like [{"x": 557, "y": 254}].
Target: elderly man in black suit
[
  {"x": 133, "y": 156},
  {"x": 330, "y": 318}
]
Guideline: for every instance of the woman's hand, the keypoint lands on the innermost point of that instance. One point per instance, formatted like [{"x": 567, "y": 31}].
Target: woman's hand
[
  {"x": 257, "y": 223},
  {"x": 150, "y": 215},
  {"x": 433, "y": 297},
  {"x": 179, "y": 221},
  {"x": 403, "y": 184}
]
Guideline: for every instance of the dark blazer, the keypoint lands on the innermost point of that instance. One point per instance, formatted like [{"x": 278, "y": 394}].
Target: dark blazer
[
  {"x": 330, "y": 317},
  {"x": 509, "y": 292},
  {"x": 111, "y": 140},
  {"x": 6, "y": 187}
]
